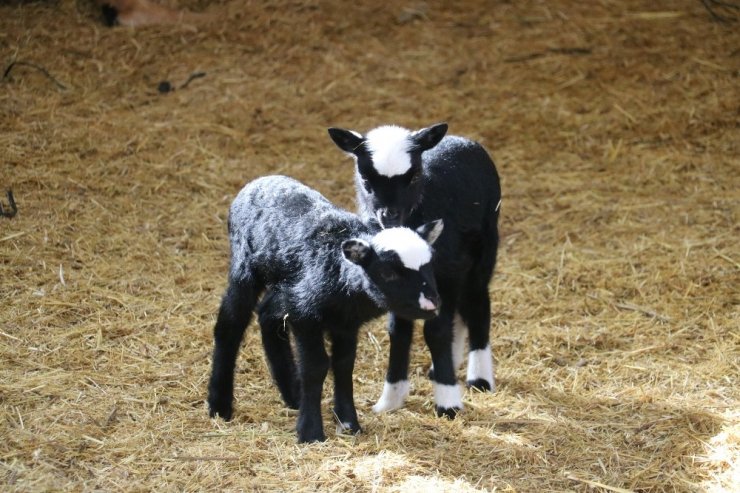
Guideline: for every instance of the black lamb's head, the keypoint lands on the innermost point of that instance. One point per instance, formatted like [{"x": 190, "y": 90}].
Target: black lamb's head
[{"x": 389, "y": 176}]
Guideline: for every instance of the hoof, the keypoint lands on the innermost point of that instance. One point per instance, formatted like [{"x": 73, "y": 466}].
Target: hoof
[
  {"x": 349, "y": 428},
  {"x": 481, "y": 384},
  {"x": 447, "y": 412},
  {"x": 221, "y": 409},
  {"x": 311, "y": 438}
]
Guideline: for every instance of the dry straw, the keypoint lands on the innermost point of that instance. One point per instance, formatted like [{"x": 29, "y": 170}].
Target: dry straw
[{"x": 615, "y": 127}]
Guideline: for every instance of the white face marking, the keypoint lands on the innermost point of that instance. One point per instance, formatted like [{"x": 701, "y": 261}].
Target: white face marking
[
  {"x": 448, "y": 396},
  {"x": 459, "y": 334},
  {"x": 389, "y": 146},
  {"x": 425, "y": 303},
  {"x": 410, "y": 247},
  {"x": 480, "y": 365},
  {"x": 394, "y": 394}
]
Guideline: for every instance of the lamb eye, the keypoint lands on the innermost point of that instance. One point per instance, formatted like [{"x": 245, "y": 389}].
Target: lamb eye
[{"x": 389, "y": 275}]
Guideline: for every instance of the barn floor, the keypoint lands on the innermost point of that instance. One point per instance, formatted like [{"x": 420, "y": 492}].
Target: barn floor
[{"x": 615, "y": 126}]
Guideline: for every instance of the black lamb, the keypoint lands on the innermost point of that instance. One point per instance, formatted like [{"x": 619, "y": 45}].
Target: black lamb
[
  {"x": 321, "y": 269},
  {"x": 405, "y": 178}
]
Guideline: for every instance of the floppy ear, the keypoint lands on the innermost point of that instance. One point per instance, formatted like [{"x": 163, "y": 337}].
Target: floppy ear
[
  {"x": 431, "y": 231},
  {"x": 357, "y": 251},
  {"x": 347, "y": 140},
  {"x": 426, "y": 138}
]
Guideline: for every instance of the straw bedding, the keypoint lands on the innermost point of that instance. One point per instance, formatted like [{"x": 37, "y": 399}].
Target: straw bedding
[{"x": 615, "y": 128}]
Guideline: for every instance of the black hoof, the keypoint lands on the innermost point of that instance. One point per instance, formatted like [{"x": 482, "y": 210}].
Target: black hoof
[
  {"x": 349, "y": 428},
  {"x": 220, "y": 407},
  {"x": 480, "y": 384},
  {"x": 447, "y": 412},
  {"x": 311, "y": 438}
]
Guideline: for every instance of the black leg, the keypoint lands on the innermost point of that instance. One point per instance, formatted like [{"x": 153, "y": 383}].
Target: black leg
[
  {"x": 475, "y": 310},
  {"x": 233, "y": 318},
  {"x": 396, "y": 387},
  {"x": 438, "y": 336},
  {"x": 275, "y": 340},
  {"x": 459, "y": 344},
  {"x": 344, "y": 347},
  {"x": 312, "y": 367}
]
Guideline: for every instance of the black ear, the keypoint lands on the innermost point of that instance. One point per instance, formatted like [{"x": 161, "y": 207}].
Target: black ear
[
  {"x": 426, "y": 138},
  {"x": 347, "y": 140},
  {"x": 357, "y": 251},
  {"x": 431, "y": 231}
]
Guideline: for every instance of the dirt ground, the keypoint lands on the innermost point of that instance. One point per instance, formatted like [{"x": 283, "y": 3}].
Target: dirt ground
[{"x": 615, "y": 127}]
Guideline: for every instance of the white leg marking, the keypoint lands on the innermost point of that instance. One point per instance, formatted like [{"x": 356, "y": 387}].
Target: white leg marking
[
  {"x": 480, "y": 365},
  {"x": 459, "y": 335},
  {"x": 394, "y": 394},
  {"x": 448, "y": 396}
]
